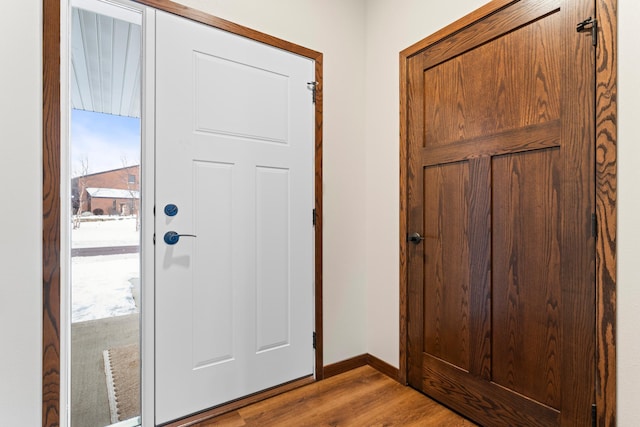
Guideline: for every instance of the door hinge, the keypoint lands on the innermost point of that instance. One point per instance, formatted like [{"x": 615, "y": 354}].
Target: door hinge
[
  {"x": 314, "y": 340},
  {"x": 589, "y": 24},
  {"x": 154, "y": 238},
  {"x": 594, "y": 225},
  {"x": 314, "y": 217},
  {"x": 313, "y": 87},
  {"x": 594, "y": 415}
]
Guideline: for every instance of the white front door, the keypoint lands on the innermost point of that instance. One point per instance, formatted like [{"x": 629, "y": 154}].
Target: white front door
[{"x": 234, "y": 156}]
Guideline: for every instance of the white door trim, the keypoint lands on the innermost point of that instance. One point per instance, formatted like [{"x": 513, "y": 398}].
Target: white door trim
[{"x": 147, "y": 252}]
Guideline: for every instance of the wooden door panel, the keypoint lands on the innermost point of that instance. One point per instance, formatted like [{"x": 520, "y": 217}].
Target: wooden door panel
[
  {"x": 535, "y": 137},
  {"x": 526, "y": 274},
  {"x": 510, "y": 18},
  {"x": 446, "y": 299},
  {"x": 500, "y": 173},
  {"x": 504, "y": 84},
  {"x": 483, "y": 401}
]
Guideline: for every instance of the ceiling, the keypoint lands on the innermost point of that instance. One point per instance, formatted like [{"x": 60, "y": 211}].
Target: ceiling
[{"x": 105, "y": 63}]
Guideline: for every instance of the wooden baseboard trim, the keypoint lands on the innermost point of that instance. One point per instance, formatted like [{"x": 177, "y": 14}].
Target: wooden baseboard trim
[
  {"x": 237, "y": 404},
  {"x": 358, "y": 361},
  {"x": 345, "y": 365},
  {"x": 384, "y": 367}
]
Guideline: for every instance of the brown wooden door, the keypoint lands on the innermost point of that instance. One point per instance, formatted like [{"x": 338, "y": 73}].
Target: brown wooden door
[{"x": 501, "y": 296}]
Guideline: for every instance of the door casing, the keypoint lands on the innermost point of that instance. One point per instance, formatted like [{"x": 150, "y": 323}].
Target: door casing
[
  {"x": 55, "y": 395},
  {"x": 606, "y": 195}
]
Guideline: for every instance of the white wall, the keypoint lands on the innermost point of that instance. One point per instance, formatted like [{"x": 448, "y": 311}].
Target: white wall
[
  {"x": 335, "y": 28},
  {"x": 628, "y": 338},
  {"x": 20, "y": 214},
  {"x": 392, "y": 26}
]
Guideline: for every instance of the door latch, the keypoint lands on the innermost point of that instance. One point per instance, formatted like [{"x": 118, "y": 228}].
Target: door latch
[{"x": 589, "y": 24}]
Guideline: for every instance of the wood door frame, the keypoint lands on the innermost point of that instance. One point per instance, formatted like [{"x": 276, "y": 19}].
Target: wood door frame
[
  {"x": 606, "y": 194},
  {"x": 51, "y": 169}
]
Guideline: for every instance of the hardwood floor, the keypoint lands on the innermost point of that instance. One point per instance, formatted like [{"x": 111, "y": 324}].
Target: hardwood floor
[{"x": 360, "y": 397}]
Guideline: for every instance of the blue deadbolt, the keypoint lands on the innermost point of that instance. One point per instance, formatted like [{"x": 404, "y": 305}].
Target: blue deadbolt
[
  {"x": 171, "y": 237},
  {"x": 171, "y": 210}
]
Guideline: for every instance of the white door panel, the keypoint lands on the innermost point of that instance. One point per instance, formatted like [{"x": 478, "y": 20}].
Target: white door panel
[{"x": 234, "y": 153}]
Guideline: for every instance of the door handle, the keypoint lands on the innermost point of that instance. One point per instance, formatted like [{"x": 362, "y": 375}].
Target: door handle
[
  {"x": 171, "y": 237},
  {"x": 415, "y": 238}
]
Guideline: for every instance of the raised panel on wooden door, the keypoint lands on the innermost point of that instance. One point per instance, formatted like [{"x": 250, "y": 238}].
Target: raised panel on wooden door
[
  {"x": 502, "y": 85},
  {"x": 526, "y": 274},
  {"x": 446, "y": 263}
]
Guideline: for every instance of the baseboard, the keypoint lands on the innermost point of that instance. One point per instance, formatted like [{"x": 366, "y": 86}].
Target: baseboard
[
  {"x": 358, "y": 361},
  {"x": 384, "y": 367},
  {"x": 345, "y": 366}
]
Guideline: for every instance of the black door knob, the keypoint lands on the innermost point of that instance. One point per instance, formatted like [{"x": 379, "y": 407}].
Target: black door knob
[{"x": 415, "y": 238}]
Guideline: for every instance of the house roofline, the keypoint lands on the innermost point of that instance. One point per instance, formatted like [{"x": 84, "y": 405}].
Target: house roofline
[{"x": 107, "y": 171}]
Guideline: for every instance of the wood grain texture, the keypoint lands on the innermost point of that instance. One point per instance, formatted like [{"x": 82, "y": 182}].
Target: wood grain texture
[
  {"x": 480, "y": 247},
  {"x": 578, "y": 204},
  {"x": 358, "y": 361},
  {"x": 345, "y": 365},
  {"x": 318, "y": 310},
  {"x": 606, "y": 210},
  {"x": 203, "y": 416},
  {"x": 502, "y": 85},
  {"x": 485, "y": 402},
  {"x": 415, "y": 253},
  {"x": 51, "y": 215},
  {"x": 534, "y": 137},
  {"x": 360, "y": 397},
  {"x": 407, "y": 93},
  {"x": 499, "y": 93},
  {"x": 606, "y": 192},
  {"x": 403, "y": 221},
  {"x": 382, "y": 366},
  {"x": 453, "y": 28},
  {"x": 446, "y": 263},
  {"x": 492, "y": 27},
  {"x": 526, "y": 275}
]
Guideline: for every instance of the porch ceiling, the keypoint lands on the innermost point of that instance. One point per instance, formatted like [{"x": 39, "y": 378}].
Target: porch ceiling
[{"x": 105, "y": 64}]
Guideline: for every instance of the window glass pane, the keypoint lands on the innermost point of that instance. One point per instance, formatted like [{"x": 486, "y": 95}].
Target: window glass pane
[{"x": 105, "y": 146}]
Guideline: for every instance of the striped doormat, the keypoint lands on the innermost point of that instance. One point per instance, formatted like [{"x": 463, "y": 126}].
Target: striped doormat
[{"x": 122, "y": 369}]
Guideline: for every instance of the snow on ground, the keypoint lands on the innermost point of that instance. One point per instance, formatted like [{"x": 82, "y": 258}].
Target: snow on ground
[
  {"x": 105, "y": 231},
  {"x": 102, "y": 285}
]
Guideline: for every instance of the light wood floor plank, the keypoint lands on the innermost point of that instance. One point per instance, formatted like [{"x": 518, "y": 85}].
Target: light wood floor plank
[{"x": 360, "y": 397}]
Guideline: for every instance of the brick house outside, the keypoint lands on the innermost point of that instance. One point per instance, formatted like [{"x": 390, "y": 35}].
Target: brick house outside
[{"x": 113, "y": 192}]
